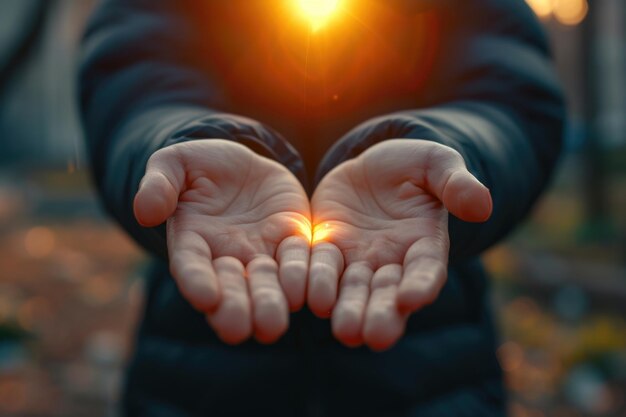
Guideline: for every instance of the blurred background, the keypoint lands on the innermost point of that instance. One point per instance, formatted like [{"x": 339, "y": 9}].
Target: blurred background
[{"x": 70, "y": 288}]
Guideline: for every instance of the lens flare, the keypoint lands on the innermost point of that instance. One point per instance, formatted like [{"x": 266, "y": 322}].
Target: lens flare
[{"x": 318, "y": 12}]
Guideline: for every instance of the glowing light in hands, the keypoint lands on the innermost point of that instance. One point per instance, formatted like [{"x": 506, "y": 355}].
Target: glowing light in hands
[
  {"x": 318, "y": 12},
  {"x": 314, "y": 234},
  {"x": 304, "y": 227},
  {"x": 321, "y": 232}
]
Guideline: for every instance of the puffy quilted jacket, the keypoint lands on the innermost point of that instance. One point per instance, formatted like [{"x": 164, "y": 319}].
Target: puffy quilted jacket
[{"x": 471, "y": 74}]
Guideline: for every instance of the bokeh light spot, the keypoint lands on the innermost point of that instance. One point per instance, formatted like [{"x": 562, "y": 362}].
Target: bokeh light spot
[
  {"x": 566, "y": 12},
  {"x": 12, "y": 396},
  {"x": 570, "y": 12},
  {"x": 511, "y": 356},
  {"x": 542, "y": 8},
  {"x": 39, "y": 242},
  {"x": 32, "y": 311}
]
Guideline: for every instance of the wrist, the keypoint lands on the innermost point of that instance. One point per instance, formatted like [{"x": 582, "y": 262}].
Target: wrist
[{"x": 254, "y": 135}]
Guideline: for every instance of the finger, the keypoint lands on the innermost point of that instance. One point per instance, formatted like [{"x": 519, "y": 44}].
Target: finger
[
  {"x": 461, "y": 193},
  {"x": 157, "y": 197},
  {"x": 232, "y": 321},
  {"x": 191, "y": 267},
  {"x": 293, "y": 257},
  {"x": 269, "y": 306},
  {"x": 425, "y": 273},
  {"x": 384, "y": 323},
  {"x": 348, "y": 314},
  {"x": 326, "y": 266}
]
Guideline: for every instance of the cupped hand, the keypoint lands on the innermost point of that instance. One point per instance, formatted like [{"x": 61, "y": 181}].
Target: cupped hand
[
  {"x": 381, "y": 236},
  {"x": 238, "y": 234}
]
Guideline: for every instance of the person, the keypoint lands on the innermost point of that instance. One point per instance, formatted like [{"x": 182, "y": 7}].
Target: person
[{"x": 316, "y": 199}]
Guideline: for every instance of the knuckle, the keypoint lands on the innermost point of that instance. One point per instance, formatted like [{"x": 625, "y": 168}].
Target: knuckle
[
  {"x": 439, "y": 150},
  {"x": 236, "y": 308},
  {"x": 322, "y": 271},
  {"x": 266, "y": 295},
  {"x": 293, "y": 269},
  {"x": 262, "y": 264},
  {"x": 229, "y": 264},
  {"x": 353, "y": 279},
  {"x": 162, "y": 154}
]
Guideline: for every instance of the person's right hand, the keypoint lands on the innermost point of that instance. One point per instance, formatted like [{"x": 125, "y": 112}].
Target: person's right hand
[{"x": 238, "y": 229}]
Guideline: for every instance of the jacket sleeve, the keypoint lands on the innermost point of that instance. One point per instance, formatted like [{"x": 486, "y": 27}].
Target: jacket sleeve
[
  {"x": 142, "y": 89},
  {"x": 493, "y": 97}
]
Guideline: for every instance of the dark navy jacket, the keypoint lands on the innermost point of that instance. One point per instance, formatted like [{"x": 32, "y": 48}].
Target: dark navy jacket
[{"x": 471, "y": 74}]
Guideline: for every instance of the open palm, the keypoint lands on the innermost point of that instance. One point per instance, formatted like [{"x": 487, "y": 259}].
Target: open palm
[
  {"x": 232, "y": 217},
  {"x": 381, "y": 236}
]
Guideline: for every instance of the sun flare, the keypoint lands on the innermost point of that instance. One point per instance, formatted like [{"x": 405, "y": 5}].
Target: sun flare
[{"x": 318, "y": 12}]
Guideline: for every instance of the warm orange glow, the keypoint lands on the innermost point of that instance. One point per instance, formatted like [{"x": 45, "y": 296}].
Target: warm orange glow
[
  {"x": 567, "y": 12},
  {"x": 570, "y": 12},
  {"x": 542, "y": 8},
  {"x": 318, "y": 12},
  {"x": 511, "y": 356},
  {"x": 39, "y": 242},
  {"x": 314, "y": 234},
  {"x": 321, "y": 232},
  {"x": 304, "y": 227}
]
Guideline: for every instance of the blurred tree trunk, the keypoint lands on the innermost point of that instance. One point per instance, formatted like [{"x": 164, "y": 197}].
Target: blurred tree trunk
[{"x": 594, "y": 170}]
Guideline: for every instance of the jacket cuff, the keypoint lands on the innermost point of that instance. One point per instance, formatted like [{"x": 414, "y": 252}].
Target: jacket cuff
[
  {"x": 261, "y": 139},
  {"x": 402, "y": 125}
]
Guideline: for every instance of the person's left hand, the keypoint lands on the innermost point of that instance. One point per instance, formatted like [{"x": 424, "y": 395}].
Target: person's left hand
[{"x": 381, "y": 236}]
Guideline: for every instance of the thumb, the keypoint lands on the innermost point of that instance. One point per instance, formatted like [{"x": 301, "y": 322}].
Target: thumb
[
  {"x": 157, "y": 197},
  {"x": 459, "y": 191},
  {"x": 466, "y": 198}
]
